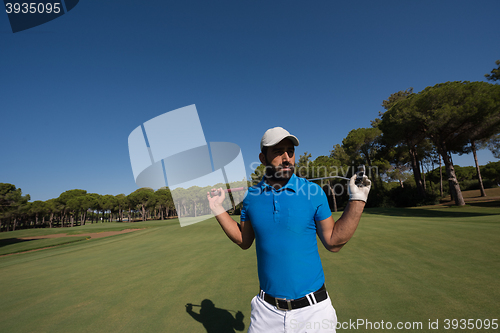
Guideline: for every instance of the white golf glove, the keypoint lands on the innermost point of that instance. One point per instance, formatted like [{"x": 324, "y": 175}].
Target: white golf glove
[{"x": 359, "y": 191}]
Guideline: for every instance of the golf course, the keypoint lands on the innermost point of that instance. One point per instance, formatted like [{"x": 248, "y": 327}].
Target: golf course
[{"x": 416, "y": 265}]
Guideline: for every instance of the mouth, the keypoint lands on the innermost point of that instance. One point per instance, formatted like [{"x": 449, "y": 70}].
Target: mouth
[
  {"x": 285, "y": 168},
  {"x": 280, "y": 171}
]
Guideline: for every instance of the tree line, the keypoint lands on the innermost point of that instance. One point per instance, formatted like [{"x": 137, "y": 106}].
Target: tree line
[{"x": 77, "y": 207}]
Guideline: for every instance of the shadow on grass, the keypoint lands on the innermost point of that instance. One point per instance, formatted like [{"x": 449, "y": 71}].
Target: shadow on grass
[
  {"x": 494, "y": 204},
  {"x": 216, "y": 320},
  {"x": 10, "y": 241},
  {"x": 452, "y": 212}
]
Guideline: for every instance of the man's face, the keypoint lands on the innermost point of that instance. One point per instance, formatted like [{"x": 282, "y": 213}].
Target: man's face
[{"x": 280, "y": 160}]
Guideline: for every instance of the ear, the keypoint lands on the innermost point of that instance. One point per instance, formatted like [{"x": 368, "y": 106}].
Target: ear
[{"x": 262, "y": 158}]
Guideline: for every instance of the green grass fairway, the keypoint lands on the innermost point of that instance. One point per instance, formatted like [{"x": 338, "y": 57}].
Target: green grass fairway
[{"x": 403, "y": 265}]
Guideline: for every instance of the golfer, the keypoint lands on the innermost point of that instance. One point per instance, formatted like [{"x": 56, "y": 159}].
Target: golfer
[{"x": 283, "y": 213}]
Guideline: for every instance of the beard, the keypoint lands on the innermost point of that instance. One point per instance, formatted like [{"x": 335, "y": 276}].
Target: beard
[{"x": 277, "y": 173}]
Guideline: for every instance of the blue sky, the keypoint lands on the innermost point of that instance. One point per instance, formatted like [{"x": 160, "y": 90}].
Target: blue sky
[{"x": 73, "y": 89}]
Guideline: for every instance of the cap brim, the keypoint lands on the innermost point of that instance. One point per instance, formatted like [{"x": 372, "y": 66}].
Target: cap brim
[{"x": 294, "y": 139}]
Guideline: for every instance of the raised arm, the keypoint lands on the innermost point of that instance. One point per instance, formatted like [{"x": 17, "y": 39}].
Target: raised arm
[
  {"x": 334, "y": 235},
  {"x": 242, "y": 234}
]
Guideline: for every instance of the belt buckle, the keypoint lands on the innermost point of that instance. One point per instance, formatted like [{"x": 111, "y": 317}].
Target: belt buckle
[{"x": 288, "y": 302}]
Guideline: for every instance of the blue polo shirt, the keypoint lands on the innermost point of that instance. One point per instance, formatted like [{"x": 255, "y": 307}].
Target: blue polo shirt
[{"x": 285, "y": 235}]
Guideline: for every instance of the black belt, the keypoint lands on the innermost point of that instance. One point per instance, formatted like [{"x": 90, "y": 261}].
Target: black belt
[{"x": 290, "y": 304}]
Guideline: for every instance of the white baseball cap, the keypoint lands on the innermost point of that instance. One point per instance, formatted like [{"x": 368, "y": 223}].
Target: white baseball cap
[{"x": 274, "y": 135}]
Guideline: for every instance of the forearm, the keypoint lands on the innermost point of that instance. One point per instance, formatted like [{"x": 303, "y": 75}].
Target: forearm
[
  {"x": 241, "y": 234},
  {"x": 346, "y": 225},
  {"x": 230, "y": 227}
]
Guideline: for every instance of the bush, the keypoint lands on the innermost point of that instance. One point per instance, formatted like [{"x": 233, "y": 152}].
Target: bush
[
  {"x": 491, "y": 171},
  {"x": 410, "y": 197},
  {"x": 467, "y": 185},
  {"x": 379, "y": 198}
]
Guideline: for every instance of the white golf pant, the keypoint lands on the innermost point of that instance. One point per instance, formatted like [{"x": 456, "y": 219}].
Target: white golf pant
[{"x": 316, "y": 318}]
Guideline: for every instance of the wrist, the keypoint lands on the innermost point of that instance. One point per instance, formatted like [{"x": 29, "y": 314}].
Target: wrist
[
  {"x": 217, "y": 210},
  {"x": 356, "y": 205}
]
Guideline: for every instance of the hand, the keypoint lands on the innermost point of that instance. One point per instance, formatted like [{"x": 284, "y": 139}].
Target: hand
[
  {"x": 359, "y": 191},
  {"x": 215, "y": 202},
  {"x": 189, "y": 307}
]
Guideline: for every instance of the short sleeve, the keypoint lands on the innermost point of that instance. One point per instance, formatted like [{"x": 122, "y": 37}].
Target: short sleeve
[
  {"x": 244, "y": 210},
  {"x": 320, "y": 203}
]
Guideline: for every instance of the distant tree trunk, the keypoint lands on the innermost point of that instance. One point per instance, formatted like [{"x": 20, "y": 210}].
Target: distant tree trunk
[
  {"x": 334, "y": 197},
  {"x": 423, "y": 175},
  {"x": 455, "y": 191},
  {"x": 330, "y": 194},
  {"x": 14, "y": 224},
  {"x": 432, "y": 186},
  {"x": 416, "y": 171},
  {"x": 481, "y": 187},
  {"x": 143, "y": 212},
  {"x": 440, "y": 176}
]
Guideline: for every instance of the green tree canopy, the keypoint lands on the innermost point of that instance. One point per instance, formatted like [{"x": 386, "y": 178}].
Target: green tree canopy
[
  {"x": 493, "y": 145},
  {"x": 141, "y": 197},
  {"x": 11, "y": 198},
  {"x": 361, "y": 145},
  {"x": 495, "y": 73}
]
